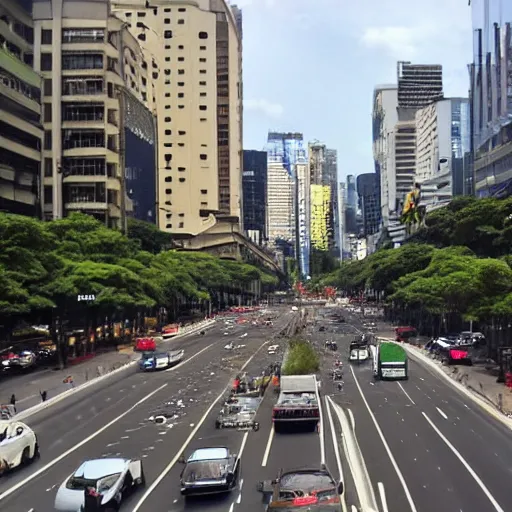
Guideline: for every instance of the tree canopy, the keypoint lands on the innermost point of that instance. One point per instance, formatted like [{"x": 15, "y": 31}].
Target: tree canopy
[
  {"x": 459, "y": 263},
  {"x": 47, "y": 264}
]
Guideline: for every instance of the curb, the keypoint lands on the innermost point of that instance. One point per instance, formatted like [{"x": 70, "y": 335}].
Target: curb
[
  {"x": 483, "y": 403},
  {"x": 58, "y": 398}
]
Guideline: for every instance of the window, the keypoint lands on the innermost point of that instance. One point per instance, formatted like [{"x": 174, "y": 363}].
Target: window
[
  {"x": 73, "y": 139},
  {"x": 202, "y": 59},
  {"x": 181, "y": 71},
  {"x": 181, "y": 47},
  {"x": 48, "y": 139},
  {"x": 181, "y": 107},
  {"x": 168, "y": 190},
  {"x": 167, "y": 9},
  {"x": 168, "y": 179},
  {"x": 47, "y": 113},
  {"x": 182, "y": 9},
  {"x": 46, "y": 61},
  {"x": 82, "y": 61},
  {"x": 202, "y": 71},
  {"x": 141, "y": 36},
  {"x": 167, "y": 144},
  {"x": 87, "y": 167},
  {"x": 167, "y": 46},
  {"x": 202, "y": 107},
  {"x": 202, "y": 48},
  {"x": 47, "y": 86},
  {"x": 168, "y": 157},
  {"x": 204, "y": 191},
  {"x": 28, "y": 58},
  {"x": 167, "y": 21},
  {"x": 181, "y": 95},
  {"x": 48, "y": 167},
  {"x": 167, "y": 119},
  {"x": 203, "y": 35},
  {"x": 167, "y": 71},
  {"x": 202, "y": 83},
  {"x": 86, "y": 112},
  {"x": 181, "y": 59},
  {"x": 168, "y": 226},
  {"x": 203, "y": 119},
  {"x": 181, "y": 144},
  {"x": 82, "y": 86},
  {"x": 83, "y": 35},
  {"x": 181, "y": 169},
  {"x": 167, "y": 59},
  {"x": 181, "y": 132},
  {"x": 181, "y": 84},
  {"x": 203, "y": 157},
  {"x": 168, "y": 132},
  {"x": 202, "y": 94},
  {"x": 167, "y": 107},
  {"x": 48, "y": 194},
  {"x": 181, "y": 22},
  {"x": 46, "y": 36},
  {"x": 168, "y": 34},
  {"x": 167, "y": 94},
  {"x": 182, "y": 180},
  {"x": 141, "y": 14}
]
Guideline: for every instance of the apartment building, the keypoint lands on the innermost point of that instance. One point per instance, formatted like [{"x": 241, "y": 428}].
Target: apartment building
[
  {"x": 21, "y": 131},
  {"x": 95, "y": 87},
  {"x": 198, "y": 48},
  {"x": 419, "y": 85}
]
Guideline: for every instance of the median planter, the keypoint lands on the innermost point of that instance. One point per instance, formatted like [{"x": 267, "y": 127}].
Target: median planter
[{"x": 301, "y": 359}]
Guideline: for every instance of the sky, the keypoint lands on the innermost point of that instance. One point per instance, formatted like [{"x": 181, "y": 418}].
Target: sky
[{"x": 311, "y": 65}]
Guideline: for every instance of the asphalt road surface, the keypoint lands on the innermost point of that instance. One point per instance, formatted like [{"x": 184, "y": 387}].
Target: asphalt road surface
[
  {"x": 426, "y": 446},
  {"x": 111, "y": 417}
]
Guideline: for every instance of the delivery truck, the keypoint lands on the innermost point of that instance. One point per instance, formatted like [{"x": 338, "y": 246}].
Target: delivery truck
[{"x": 390, "y": 361}]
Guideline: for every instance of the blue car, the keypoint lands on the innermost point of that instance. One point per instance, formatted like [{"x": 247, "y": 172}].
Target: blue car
[{"x": 160, "y": 360}]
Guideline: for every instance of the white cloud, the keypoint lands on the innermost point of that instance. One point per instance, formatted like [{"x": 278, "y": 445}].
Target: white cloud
[{"x": 265, "y": 107}]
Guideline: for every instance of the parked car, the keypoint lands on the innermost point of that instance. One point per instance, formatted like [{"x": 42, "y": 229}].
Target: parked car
[
  {"x": 18, "y": 444},
  {"x": 145, "y": 345},
  {"x": 100, "y": 484},
  {"x": 210, "y": 471}
]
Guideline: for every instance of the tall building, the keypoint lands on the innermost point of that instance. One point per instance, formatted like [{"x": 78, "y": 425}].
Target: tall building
[
  {"x": 304, "y": 217},
  {"x": 198, "y": 49},
  {"x": 21, "y": 131},
  {"x": 284, "y": 151},
  {"x": 442, "y": 145},
  {"x": 367, "y": 191},
  {"x": 419, "y": 85},
  {"x": 331, "y": 165},
  {"x": 351, "y": 206},
  {"x": 95, "y": 88},
  {"x": 491, "y": 97},
  {"x": 385, "y": 118},
  {"x": 255, "y": 195}
]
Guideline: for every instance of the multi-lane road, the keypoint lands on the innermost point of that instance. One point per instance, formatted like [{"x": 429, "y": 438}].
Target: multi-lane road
[{"x": 420, "y": 445}]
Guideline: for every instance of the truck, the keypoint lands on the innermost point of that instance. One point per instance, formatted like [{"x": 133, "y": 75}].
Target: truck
[
  {"x": 297, "y": 403},
  {"x": 390, "y": 361}
]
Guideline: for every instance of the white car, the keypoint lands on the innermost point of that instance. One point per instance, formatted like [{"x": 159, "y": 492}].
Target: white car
[
  {"x": 100, "y": 484},
  {"x": 273, "y": 349},
  {"x": 18, "y": 445}
]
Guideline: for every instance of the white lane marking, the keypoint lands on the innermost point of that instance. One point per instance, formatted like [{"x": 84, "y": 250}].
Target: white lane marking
[
  {"x": 189, "y": 439},
  {"x": 406, "y": 394},
  {"x": 442, "y": 413},
  {"x": 190, "y": 358},
  {"x": 231, "y": 508},
  {"x": 382, "y": 494},
  {"x": 45, "y": 468},
  {"x": 268, "y": 447},
  {"x": 386, "y": 446},
  {"x": 470, "y": 470},
  {"x": 337, "y": 455},
  {"x": 352, "y": 419},
  {"x": 242, "y": 446},
  {"x": 322, "y": 437}
]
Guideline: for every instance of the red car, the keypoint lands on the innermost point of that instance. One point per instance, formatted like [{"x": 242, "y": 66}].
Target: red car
[{"x": 145, "y": 345}]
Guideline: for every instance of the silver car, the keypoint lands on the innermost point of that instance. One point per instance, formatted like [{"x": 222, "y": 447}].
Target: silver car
[{"x": 100, "y": 484}]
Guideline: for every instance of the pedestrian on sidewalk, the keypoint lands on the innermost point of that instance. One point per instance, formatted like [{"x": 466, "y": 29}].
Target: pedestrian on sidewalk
[
  {"x": 44, "y": 395},
  {"x": 13, "y": 401}
]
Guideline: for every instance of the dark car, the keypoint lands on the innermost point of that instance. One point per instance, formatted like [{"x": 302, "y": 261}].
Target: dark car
[
  {"x": 303, "y": 490},
  {"x": 210, "y": 471}
]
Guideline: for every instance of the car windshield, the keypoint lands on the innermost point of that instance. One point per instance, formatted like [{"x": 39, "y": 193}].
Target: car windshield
[
  {"x": 77, "y": 483},
  {"x": 205, "y": 470}
]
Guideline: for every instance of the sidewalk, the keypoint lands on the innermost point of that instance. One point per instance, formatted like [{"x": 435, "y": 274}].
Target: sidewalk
[{"x": 27, "y": 388}]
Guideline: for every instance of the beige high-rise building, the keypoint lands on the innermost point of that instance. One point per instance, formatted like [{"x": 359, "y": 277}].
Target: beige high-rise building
[
  {"x": 197, "y": 46},
  {"x": 94, "y": 77}
]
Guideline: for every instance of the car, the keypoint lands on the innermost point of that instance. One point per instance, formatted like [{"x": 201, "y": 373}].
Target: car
[
  {"x": 160, "y": 360},
  {"x": 145, "y": 345},
  {"x": 272, "y": 349},
  {"x": 295, "y": 308},
  {"x": 210, "y": 471},
  {"x": 307, "y": 490},
  {"x": 18, "y": 444},
  {"x": 100, "y": 484}
]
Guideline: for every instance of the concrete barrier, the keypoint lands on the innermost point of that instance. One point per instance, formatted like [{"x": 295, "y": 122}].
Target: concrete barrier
[
  {"x": 205, "y": 325},
  {"x": 418, "y": 355}
]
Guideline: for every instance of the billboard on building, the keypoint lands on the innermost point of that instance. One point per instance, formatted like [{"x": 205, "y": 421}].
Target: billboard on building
[{"x": 320, "y": 214}]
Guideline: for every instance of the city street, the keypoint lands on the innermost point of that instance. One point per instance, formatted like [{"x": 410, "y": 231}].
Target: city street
[{"x": 111, "y": 417}]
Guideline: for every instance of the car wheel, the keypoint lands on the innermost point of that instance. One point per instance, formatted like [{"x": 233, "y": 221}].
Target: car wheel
[{"x": 25, "y": 456}]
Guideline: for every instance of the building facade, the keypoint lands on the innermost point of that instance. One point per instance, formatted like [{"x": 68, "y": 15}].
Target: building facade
[
  {"x": 351, "y": 206},
  {"x": 419, "y": 85},
  {"x": 197, "y": 48},
  {"x": 304, "y": 218},
  {"x": 94, "y": 79},
  {"x": 367, "y": 191},
  {"x": 21, "y": 130},
  {"x": 491, "y": 97},
  {"x": 255, "y": 195},
  {"x": 284, "y": 151}
]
